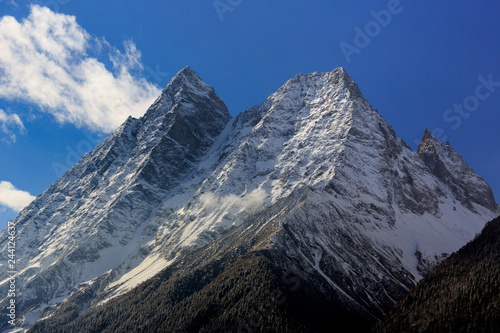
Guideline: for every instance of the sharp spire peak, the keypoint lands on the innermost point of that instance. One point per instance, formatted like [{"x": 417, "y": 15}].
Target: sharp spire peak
[{"x": 188, "y": 80}]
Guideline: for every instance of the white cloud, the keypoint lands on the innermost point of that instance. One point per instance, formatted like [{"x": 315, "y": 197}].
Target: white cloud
[
  {"x": 7, "y": 121},
  {"x": 44, "y": 60},
  {"x": 12, "y": 198},
  {"x": 248, "y": 203},
  {"x": 11, "y": 2}
]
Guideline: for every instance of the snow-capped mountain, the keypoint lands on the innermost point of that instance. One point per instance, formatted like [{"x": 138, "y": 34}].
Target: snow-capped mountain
[
  {"x": 449, "y": 167},
  {"x": 333, "y": 191}
]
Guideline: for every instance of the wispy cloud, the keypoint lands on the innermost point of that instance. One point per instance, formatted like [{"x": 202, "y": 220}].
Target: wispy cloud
[
  {"x": 7, "y": 122},
  {"x": 250, "y": 203},
  {"x": 10, "y": 2},
  {"x": 12, "y": 198},
  {"x": 44, "y": 60}
]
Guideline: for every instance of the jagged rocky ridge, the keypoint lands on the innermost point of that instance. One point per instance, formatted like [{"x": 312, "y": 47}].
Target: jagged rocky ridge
[
  {"x": 370, "y": 218},
  {"x": 449, "y": 167}
]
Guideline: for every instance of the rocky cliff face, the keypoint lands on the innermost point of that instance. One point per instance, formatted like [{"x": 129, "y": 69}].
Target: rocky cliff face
[
  {"x": 91, "y": 220},
  {"x": 320, "y": 178},
  {"x": 449, "y": 167}
]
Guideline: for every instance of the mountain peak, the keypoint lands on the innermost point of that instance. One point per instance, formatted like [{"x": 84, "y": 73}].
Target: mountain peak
[
  {"x": 334, "y": 83},
  {"x": 188, "y": 79},
  {"x": 187, "y": 69},
  {"x": 428, "y": 143},
  {"x": 348, "y": 82},
  {"x": 187, "y": 93},
  {"x": 340, "y": 78},
  {"x": 188, "y": 73},
  {"x": 428, "y": 134},
  {"x": 448, "y": 166},
  {"x": 313, "y": 177},
  {"x": 342, "y": 73}
]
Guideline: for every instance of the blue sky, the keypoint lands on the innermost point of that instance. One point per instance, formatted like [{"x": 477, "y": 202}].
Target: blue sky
[{"x": 71, "y": 71}]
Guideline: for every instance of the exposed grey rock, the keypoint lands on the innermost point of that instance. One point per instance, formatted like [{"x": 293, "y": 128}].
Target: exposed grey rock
[
  {"x": 447, "y": 165},
  {"x": 313, "y": 174}
]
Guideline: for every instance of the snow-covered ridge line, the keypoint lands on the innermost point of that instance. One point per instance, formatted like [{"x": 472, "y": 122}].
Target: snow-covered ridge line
[{"x": 186, "y": 172}]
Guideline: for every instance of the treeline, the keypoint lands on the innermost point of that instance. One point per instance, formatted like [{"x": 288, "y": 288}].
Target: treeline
[
  {"x": 462, "y": 294},
  {"x": 244, "y": 295}
]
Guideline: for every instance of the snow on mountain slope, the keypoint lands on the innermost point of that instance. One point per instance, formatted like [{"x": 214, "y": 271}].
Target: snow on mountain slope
[
  {"x": 450, "y": 168},
  {"x": 372, "y": 195},
  {"x": 93, "y": 218},
  {"x": 375, "y": 213},
  {"x": 316, "y": 131},
  {"x": 271, "y": 150}
]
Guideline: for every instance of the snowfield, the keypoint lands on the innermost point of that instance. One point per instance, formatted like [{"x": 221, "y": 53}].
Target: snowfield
[{"x": 372, "y": 210}]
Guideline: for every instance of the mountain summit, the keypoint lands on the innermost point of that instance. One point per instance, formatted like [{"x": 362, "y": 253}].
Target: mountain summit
[
  {"x": 95, "y": 218},
  {"x": 447, "y": 165},
  {"x": 312, "y": 182}
]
